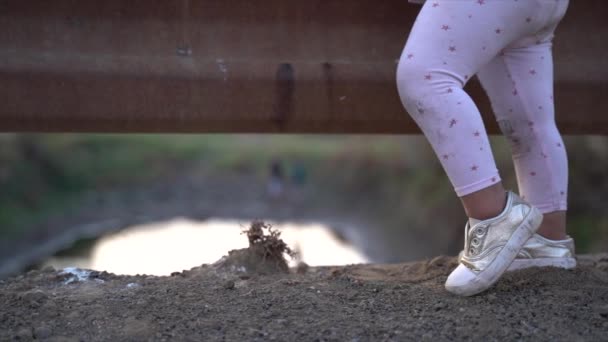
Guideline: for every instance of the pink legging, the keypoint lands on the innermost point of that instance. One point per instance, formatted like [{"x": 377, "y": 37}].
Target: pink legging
[{"x": 507, "y": 44}]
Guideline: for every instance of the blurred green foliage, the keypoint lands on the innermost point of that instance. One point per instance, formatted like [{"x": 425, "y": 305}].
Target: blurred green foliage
[{"x": 44, "y": 173}]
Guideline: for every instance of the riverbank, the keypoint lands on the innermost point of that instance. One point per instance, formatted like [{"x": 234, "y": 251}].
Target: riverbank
[
  {"x": 387, "y": 195},
  {"x": 355, "y": 190},
  {"x": 376, "y": 302}
]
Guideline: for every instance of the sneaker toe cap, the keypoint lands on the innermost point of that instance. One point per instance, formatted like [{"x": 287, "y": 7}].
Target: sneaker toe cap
[{"x": 461, "y": 277}]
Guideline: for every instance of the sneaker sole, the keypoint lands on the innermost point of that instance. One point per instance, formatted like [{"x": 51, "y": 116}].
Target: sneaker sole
[
  {"x": 504, "y": 258},
  {"x": 520, "y": 264}
]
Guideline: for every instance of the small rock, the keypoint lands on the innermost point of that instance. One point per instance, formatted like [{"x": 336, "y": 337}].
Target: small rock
[
  {"x": 24, "y": 334},
  {"x": 32, "y": 273},
  {"x": 439, "y": 306},
  {"x": 94, "y": 274},
  {"x": 48, "y": 269},
  {"x": 36, "y": 296},
  {"x": 50, "y": 305},
  {"x": 603, "y": 311},
  {"x": 302, "y": 268},
  {"x": 289, "y": 282},
  {"x": 42, "y": 332},
  {"x": 229, "y": 285}
]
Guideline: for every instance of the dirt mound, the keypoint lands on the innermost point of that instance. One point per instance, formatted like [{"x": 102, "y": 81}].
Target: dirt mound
[
  {"x": 265, "y": 254},
  {"x": 358, "y": 303}
]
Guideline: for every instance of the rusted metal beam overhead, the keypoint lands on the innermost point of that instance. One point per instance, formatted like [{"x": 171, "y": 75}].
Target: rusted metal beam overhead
[{"x": 246, "y": 66}]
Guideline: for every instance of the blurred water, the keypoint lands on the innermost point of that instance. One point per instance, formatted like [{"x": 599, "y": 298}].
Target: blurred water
[{"x": 180, "y": 244}]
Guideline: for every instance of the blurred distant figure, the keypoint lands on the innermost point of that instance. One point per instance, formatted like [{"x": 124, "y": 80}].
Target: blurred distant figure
[
  {"x": 275, "y": 186},
  {"x": 298, "y": 174}
]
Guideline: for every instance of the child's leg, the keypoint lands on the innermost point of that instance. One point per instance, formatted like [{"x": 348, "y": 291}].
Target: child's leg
[
  {"x": 519, "y": 83},
  {"x": 450, "y": 42}
]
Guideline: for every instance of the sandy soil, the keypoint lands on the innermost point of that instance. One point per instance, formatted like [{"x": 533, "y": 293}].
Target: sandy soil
[{"x": 356, "y": 303}]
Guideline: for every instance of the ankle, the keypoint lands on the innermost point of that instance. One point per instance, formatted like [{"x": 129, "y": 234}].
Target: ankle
[
  {"x": 551, "y": 234},
  {"x": 553, "y": 226},
  {"x": 486, "y": 204}
]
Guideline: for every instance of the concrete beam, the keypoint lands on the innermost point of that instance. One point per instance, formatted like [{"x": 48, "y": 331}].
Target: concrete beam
[{"x": 270, "y": 66}]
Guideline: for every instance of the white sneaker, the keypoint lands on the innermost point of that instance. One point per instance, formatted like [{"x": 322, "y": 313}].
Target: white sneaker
[
  {"x": 491, "y": 245},
  {"x": 542, "y": 252}
]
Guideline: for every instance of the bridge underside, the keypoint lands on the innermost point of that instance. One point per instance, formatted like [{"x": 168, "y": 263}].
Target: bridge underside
[{"x": 270, "y": 66}]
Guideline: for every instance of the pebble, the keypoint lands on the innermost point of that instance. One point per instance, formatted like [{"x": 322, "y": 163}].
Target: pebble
[
  {"x": 428, "y": 337},
  {"x": 439, "y": 306},
  {"x": 603, "y": 312},
  {"x": 34, "y": 296},
  {"x": 48, "y": 269},
  {"x": 32, "y": 273},
  {"x": 302, "y": 268},
  {"x": 24, "y": 334},
  {"x": 42, "y": 332}
]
